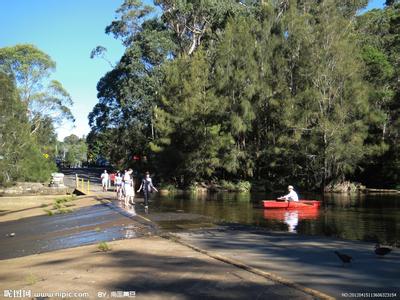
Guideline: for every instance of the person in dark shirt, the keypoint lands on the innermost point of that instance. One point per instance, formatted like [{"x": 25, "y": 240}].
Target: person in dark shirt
[{"x": 147, "y": 186}]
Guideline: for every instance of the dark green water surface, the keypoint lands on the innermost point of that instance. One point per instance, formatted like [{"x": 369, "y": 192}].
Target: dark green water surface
[{"x": 371, "y": 217}]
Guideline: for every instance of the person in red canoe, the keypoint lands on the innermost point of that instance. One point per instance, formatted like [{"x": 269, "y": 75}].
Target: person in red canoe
[{"x": 292, "y": 196}]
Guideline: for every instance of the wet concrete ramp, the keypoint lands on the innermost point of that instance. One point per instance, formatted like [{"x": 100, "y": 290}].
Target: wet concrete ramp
[{"x": 84, "y": 226}]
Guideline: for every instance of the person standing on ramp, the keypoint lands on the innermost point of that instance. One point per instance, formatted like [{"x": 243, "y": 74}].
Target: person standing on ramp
[{"x": 147, "y": 186}]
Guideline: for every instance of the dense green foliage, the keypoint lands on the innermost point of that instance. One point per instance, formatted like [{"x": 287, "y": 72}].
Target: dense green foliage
[
  {"x": 379, "y": 36},
  {"x": 21, "y": 157},
  {"x": 73, "y": 151},
  {"x": 29, "y": 113},
  {"x": 31, "y": 69},
  {"x": 274, "y": 92}
]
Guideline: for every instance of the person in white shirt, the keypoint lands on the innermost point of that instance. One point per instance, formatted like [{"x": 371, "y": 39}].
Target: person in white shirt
[
  {"x": 118, "y": 184},
  {"x": 129, "y": 188},
  {"x": 292, "y": 196},
  {"x": 104, "y": 181}
]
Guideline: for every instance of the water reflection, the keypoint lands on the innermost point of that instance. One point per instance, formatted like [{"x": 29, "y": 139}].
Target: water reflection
[
  {"x": 291, "y": 217},
  {"x": 130, "y": 231}
]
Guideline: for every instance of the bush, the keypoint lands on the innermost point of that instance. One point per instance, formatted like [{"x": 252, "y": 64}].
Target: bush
[
  {"x": 240, "y": 186},
  {"x": 49, "y": 212},
  {"x": 192, "y": 188},
  {"x": 167, "y": 186},
  {"x": 243, "y": 186},
  {"x": 36, "y": 168},
  {"x": 104, "y": 247},
  {"x": 228, "y": 185}
]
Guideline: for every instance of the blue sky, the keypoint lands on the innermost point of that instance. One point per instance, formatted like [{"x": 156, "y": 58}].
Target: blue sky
[{"x": 68, "y": 30}]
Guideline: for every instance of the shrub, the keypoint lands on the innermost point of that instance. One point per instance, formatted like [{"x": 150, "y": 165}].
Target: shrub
[
  {"x": 49, "y": 212},
  {"x": 228, "y": 185},
  {"x": 243, "y": 186},
  {"x": 167, "y": 186},
  {"x": 104, "y": 247},
  {"x": 64, "y": 211},
  {"x": 240, "y": 186},
  {"x": 36, "y": 168}
]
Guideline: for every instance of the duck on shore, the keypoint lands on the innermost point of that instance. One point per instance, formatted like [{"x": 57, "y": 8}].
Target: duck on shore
[
  {"x": 382, "y": 251},
  {"x": 343, "y": 257}
]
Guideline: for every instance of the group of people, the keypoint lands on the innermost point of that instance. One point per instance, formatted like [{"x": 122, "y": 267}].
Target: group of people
[{"x": 125, "y": 187}]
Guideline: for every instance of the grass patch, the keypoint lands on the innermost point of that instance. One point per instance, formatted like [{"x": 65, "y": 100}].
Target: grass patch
[
  {"x": 57, "y": 206},
  {"x": 65, "y": 199},
  {"x": 31, "y": 279},
  {"x": 97, "y": 229},
  {"x": 48, "y": 212},
  {"x": 60, "y": 205},
  {"x": 64, "y": 211},
  {"x": 104, "y": 247}
]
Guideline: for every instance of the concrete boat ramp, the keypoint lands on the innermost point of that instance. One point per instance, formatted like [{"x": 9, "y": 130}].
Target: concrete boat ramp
[{"x": 305, "y": 260}]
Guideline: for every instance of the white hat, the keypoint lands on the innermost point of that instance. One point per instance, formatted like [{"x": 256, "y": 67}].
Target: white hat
[{"x": 290, "y": 187}]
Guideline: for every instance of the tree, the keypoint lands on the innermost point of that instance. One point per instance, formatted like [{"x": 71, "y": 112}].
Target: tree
[
  {"x": 191, "y": 142},
  {"x": 236, "y": 82},
  {"x": 193, "y": 21},
  {"x": 329, "y": 106},
  {"x": 20, "y": 155},
  {"x": 74, "y": 150},
  {"x": 31, "y": 69},
  {"x": 273, "y": 90},
  {"x": 379, "y": 40},
  {"x": 123, "y": 118}
]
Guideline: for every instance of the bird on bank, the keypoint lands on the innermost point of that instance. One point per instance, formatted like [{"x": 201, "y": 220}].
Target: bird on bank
[
  {"x": 343, "y": 257},
  {"x": 382, "y": 251}
]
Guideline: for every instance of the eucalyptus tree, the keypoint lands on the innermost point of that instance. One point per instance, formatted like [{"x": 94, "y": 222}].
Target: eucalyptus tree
[
  {"x": 21, "y": 157},
  {"x": 128, "y": 94},
  {"x": 31, "y": 69},
  {"x": 379, "y": 40},
  {"x": 329, "y": 106},
  {"x": 192, "y": 22}
]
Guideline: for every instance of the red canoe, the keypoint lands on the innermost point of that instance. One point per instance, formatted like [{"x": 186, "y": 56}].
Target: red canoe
[{"x": 291, "y": 204}]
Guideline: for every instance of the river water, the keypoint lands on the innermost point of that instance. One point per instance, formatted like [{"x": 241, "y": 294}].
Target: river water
[{"x": 371, "y": 217}]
